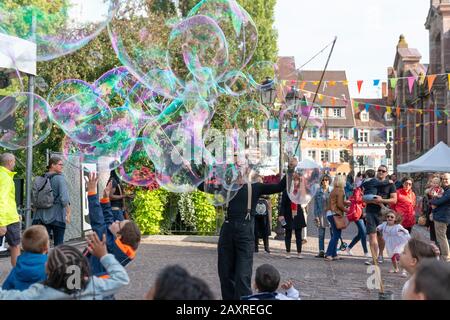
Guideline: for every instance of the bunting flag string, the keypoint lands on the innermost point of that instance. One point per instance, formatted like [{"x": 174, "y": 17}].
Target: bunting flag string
[
  {"x": 359, "y": 107},
  {"x": 376, "y": 82}
]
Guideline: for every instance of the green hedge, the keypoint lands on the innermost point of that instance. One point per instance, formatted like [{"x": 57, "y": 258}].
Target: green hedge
[
  {"x": 153, "y": 213},
  {"x": 149, "y": 208}
]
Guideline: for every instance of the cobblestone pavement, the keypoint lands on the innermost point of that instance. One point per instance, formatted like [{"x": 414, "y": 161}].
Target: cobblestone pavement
[{"x": 315, "y": 278}]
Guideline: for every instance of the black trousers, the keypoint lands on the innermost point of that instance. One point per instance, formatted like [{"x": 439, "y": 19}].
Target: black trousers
[
  {"x": 266, "y": 243},
  {"x": 235, "y": 258},
  {"x": 298, "y": 239}
]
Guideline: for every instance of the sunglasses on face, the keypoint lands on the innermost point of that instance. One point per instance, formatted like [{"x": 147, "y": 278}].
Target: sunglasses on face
[
  {"x": 383, "y": 171},
  {"x": 391, "y": 217}
]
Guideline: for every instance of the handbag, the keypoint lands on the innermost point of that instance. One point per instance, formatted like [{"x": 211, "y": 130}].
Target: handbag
[{"x": 340, "y": 221}]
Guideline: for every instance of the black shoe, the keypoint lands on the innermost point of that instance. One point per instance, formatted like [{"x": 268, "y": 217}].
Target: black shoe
[{"x": 320, "y": 255}]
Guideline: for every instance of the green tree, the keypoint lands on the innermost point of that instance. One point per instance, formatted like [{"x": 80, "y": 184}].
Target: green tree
[{"x": 186, "y": 5}]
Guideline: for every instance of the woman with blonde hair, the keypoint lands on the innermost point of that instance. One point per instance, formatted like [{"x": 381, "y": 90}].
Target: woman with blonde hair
[{"x": 336, "y": 208}]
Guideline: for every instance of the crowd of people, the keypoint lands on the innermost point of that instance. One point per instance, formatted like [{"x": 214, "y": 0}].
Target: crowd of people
[{"x": 383, "y": 210}]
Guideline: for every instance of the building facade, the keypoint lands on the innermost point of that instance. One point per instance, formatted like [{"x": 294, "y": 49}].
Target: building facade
[
  {"x": 421, "y": 114},
  {"x": 374, "y": 135},
  {"x": 329, "y": 137}
]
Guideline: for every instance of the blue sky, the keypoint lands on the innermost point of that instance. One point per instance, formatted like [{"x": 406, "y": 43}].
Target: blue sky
[{"x": 367, "y": 31}]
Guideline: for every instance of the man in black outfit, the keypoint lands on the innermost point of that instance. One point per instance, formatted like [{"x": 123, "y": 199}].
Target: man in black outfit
[{"x": 237, "y": 238}]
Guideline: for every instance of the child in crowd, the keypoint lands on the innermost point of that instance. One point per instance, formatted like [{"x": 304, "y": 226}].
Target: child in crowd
[
  {"x": 395, "y": 237},
  {"x": 175, "y": 283},
  {"x": 414, "y": 252},
  {"x": 431, "y": 281},
  {"x": 267, "y": 280},
  {"x": 122, "y": 237},
  {"x": 30, "y": 266},
  {"x": 371, "y": 184},
  {"x": 68, "y": 276}
]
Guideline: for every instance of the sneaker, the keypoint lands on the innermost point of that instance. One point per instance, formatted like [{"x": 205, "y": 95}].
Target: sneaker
[
  {"x": 320, "y": 255},
  {"x": 367, "y": 255},
  {"x": 380, "y": 260},
  {"x": 368, "y": 262},
  {"x": 299, "y": 256},
  {"x": 404, "y": 274},
  {"x": 349, "y": 251},
  {"x": 288, "y": 256}
]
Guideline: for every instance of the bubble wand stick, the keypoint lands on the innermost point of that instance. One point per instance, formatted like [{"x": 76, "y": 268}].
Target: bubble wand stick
[{"x": 315, "y": 96}]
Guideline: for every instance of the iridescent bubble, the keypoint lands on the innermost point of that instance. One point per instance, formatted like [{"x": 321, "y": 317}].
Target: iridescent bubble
[
  {"x": 114, "y": 86},
  {"x": 237, "y": 25},
  {"x": 260, "y": 71},
  {"x": 137, "y": 34},
  {"x": 59, "y": 28},
  {"x": 14, "y": 122},
  {"x": 111, "y": 150},
  {"x": 302, "y": 184},
  {"x": 249, "y": 118},
  {"x": 200, "y": 44},
  {"x": 79, "y": 111},
  {"x": 235, "y": 83},
  {"x": 176, "y": 153},
  {"x": 220, "y": 182},
  {"x": 136, "y": 168}
]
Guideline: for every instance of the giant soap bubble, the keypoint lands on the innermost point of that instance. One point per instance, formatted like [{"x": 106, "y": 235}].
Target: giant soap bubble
[
  {"x": 59, "y": 28},
  {"x": 303, "y": 182},
  {"x": 14, "y": 121}
]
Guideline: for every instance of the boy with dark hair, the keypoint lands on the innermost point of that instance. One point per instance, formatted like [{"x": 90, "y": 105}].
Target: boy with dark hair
[
  {"x": 430, "y": 282},
  {"x": 267, "y": 280},
  {"x": 30, "y": 267},
  {"x": 122, "y": 237}
]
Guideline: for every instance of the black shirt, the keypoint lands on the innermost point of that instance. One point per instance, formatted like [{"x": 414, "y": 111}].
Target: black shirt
[
  {"x": 117, "y": 192},
  {"x": 385, "y": 193},
  {"x": 237, "y": 208}
]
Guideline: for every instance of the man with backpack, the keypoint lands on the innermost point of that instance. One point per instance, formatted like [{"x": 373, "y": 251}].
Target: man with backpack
[
  {"x": 9, "y": 218},
  {"x": 50, "y": 200}
]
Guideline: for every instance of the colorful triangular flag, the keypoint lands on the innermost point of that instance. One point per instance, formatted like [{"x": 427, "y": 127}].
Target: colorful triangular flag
[
  {"x": 367, "y": 106},
  {"x": 359, "y": 82},
  {"x": 302, "y": 85},
  {"x": 345, "y": 82},
  {"x": 393, "y": 82},
  {"x": 448, "y": 81},
  {"x": 377, "y": 107},
  {"x": 411, "y": 81},
  {"x": 376, "y": 83},
  {"x": 356, "y": 104},
  {"x": 431, "y": 79}
]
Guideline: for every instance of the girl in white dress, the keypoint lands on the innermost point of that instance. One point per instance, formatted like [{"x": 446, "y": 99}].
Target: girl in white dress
[{"x": 395, "y": 236}]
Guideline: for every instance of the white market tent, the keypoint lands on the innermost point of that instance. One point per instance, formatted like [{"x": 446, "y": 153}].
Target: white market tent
[
  {"x": 17, "y": 54},
  {"x": 435, "y": 160}
]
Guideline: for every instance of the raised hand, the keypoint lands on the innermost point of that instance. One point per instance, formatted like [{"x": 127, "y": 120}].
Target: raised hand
[
  {"x": 91, "y": 182},
  {"x": 107, "y": 190},
  {"x": 96, "y": 247}
]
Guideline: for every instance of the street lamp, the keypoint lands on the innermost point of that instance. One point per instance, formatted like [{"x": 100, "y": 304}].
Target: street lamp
[{"x": 267, "y": 92}]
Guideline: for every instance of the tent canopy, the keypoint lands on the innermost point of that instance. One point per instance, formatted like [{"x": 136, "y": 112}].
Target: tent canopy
[
  {"x": 435, "y": 160},
  {"x": 17, "y": 54}
]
